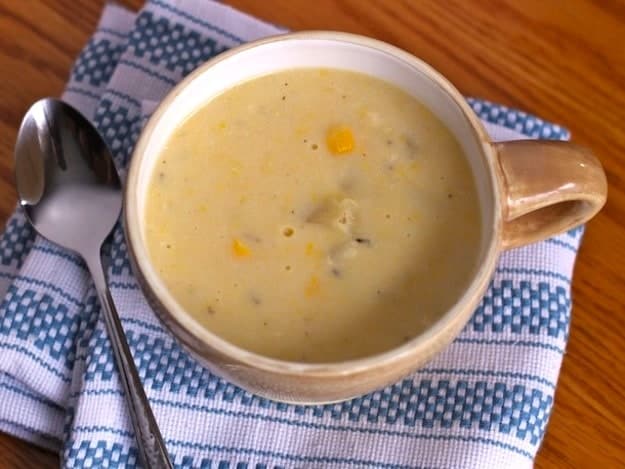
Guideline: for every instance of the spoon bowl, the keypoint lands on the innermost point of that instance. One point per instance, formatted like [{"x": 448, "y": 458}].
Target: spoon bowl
[
  {"x": 66, "y": 178},
  {"x": 70, "y": 192}
]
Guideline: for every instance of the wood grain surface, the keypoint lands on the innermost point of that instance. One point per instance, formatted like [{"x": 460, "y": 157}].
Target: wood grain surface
[{"x": 563, "y": 60}]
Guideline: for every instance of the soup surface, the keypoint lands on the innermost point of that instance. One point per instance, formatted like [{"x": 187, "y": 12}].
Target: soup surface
[{"x": 313, "y": 215}]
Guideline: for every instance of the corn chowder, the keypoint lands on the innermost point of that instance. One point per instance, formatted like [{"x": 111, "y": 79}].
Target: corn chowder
[{"x": 313, "y": 215}]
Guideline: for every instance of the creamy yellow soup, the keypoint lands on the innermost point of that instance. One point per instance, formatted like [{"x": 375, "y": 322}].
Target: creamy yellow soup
[{"x": 313, "y": 215}]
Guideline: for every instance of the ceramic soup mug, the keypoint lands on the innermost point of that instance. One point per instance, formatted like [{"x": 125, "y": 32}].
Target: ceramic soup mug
[{"x": 527, "y": 190}]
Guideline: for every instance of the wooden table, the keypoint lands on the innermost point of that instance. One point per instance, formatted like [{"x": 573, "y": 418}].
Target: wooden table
[{"x": 563, "y": 60}]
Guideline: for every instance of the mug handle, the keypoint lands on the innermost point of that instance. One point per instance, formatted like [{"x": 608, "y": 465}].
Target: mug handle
[{"x": 547, "y": 187}]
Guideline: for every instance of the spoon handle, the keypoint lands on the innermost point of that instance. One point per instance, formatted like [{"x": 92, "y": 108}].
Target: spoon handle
[{"x": 152, "y": 449}]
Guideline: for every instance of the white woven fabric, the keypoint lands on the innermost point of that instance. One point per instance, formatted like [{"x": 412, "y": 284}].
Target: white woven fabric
[{"x": 484, "y": 402}]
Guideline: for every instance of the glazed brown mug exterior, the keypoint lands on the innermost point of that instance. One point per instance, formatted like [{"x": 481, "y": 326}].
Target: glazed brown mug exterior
[{"x": 528, "y": 190}]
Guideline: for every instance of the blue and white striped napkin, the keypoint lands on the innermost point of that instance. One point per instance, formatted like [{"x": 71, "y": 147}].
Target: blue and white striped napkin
[{"x": 484, "y": 402}]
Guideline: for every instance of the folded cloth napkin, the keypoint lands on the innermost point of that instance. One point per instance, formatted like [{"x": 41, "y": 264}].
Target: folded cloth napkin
[{"x": 484, "y": 402}]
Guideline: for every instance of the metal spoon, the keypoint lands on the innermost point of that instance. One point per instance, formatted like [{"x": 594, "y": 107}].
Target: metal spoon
[{"x": 71, "y": 194}]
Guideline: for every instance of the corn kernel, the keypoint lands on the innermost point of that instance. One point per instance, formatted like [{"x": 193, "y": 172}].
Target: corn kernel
[
  {"x": 340, "y": 140},
  {"x": 302, "y": 130},
  {"x": 235, "y": 168},
  {"x": 313, "y": 287},
  {"x": 310, "y": 249},
  {"x": 239, "y": 249}
]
